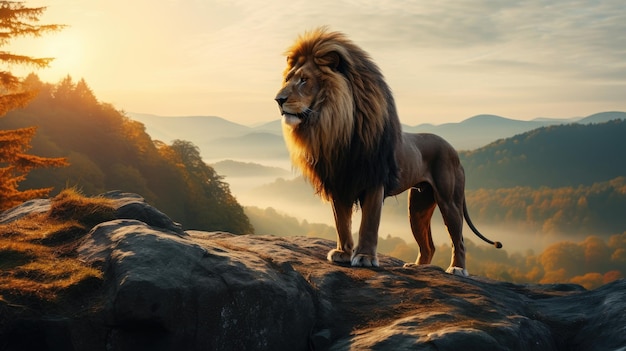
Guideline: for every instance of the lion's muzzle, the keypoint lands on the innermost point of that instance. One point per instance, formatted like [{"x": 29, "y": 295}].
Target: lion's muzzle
[{"x": 289, "y": 118}]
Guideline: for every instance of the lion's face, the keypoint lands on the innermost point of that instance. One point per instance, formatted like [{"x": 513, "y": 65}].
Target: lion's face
[{"x": 298, "y": 93}]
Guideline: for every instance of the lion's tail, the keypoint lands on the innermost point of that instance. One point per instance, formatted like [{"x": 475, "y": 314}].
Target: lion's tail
[{"x": 497, "y": 244}]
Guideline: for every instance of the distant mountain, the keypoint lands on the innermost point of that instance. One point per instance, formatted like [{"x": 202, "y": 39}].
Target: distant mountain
[
  {"x": 230, "y": 168},
  {"x": 603, "y": 117},
  {"x": 480, "y": 130},
  {"x": 218, "y": 138},
  {"x": 190, "y": 128},
  {"x": 274, "y": 127}
]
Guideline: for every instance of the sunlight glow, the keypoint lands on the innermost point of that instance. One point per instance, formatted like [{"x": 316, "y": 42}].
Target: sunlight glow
[{"x": 67, "y": 47}]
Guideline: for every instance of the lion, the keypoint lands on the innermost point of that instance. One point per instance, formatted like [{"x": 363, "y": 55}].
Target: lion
[{"x": 342, "y": 131}]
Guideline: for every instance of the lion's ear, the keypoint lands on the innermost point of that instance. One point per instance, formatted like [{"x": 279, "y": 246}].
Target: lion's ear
[
  {"x": 332, "y": 60},
  {"x": 290, "y": 61}
]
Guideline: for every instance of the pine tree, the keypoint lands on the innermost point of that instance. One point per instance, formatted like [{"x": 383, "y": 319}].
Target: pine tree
[{"x": 16, "y": 20}]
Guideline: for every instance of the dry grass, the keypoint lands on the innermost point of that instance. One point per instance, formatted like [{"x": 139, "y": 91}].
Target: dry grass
[{"x": 38, "y": 261}]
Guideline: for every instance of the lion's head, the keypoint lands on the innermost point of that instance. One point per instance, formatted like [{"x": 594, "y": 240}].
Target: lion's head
[{"x": 339, "y": 117}]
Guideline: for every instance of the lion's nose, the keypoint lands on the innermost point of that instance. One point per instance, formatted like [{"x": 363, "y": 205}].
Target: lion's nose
[{"x": 280, "y": 100}]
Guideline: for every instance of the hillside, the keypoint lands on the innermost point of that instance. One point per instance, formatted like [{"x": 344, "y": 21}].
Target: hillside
[
  {"x": 555, "y": 156},
  {"x": 109, "y": 151}
]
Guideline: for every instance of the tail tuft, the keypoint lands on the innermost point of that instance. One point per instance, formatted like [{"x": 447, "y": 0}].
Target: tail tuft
[{"x": 497, "y": 244}]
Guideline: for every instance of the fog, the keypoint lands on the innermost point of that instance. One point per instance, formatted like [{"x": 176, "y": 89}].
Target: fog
[{"x": 314, "y": 210}]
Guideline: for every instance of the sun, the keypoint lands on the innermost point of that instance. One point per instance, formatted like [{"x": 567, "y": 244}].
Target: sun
[{"x": 67, "y": 47}]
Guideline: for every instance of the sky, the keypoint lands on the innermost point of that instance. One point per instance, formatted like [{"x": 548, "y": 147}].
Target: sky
[{"x": 445, "y": 60}]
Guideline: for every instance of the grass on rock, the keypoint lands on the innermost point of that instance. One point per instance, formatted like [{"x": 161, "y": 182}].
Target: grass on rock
[{"x": 38, "y": 259}]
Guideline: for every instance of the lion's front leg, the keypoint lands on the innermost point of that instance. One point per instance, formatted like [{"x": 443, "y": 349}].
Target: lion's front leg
[
  {"x": 343, "y": 224},
  {"x": 365, "y": 253}
]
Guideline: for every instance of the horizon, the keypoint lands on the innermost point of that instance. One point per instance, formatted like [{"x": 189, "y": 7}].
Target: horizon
[
  {"x": 278, "y": 119},
  {"x": 444, "y": 61}
]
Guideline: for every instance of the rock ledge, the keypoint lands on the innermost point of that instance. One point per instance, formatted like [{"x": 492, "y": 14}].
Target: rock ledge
[{"x": 165, "y": 289}]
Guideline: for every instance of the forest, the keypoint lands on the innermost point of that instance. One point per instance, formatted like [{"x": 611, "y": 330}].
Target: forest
[
  {"x": 596, "y": 208},
  {"x": 106, "y": 150}
]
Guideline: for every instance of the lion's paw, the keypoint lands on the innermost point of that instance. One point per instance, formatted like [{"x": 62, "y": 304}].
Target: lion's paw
[
  {"x": 338, "y": 256},
  {"x": 363, "y": 260},
  {"x": 457, "y": 271}
]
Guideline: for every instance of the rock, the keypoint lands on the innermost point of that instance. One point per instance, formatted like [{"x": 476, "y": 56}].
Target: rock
[
  {"x": 224, "y": 292},
  {"x": 128, "y": 205},
  {"x": 31, "y": 206},
  {"x": 133, "y": 206},
  {"x": 169, "y": 290},
  {"x": 183, "y": 293}
]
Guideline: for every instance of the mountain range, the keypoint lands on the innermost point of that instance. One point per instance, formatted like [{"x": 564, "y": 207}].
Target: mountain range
[{"x": 219, "y": 138}]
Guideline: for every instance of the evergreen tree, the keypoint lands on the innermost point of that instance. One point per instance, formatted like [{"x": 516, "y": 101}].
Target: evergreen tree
[{"x": 16, "y": 20}]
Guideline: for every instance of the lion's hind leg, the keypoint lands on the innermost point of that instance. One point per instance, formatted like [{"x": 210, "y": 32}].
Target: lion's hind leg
[
  {"x": 452, "y": 212},
  {"x": 421, "y": 208}
]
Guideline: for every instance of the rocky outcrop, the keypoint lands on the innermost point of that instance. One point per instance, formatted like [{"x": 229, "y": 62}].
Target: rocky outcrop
[{"x": 166, "y": 289}]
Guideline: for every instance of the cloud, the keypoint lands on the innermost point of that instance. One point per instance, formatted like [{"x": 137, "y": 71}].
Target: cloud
[{"x": 579, "y": 39}]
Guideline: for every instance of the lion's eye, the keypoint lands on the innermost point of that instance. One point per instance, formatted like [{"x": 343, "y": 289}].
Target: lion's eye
[{"x": 303, "y": 79}]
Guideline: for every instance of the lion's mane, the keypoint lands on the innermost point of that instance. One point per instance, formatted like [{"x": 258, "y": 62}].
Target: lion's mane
[{"x": 346, "y": 146}]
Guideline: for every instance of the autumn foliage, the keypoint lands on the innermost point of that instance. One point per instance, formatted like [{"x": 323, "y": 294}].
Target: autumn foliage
[
  {"x": 16, "y": 165},
  {"x": 17, "y": 20},
  {"x": 109, "y": 151}
]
